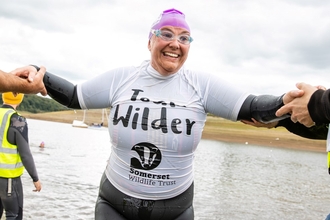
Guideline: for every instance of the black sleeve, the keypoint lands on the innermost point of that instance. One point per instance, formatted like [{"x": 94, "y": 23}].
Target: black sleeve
[
  {"x": 18, "y": 135},
  {"x": 61, "y": 90},
  {"x": 319, "y": 131},
  {"x": 319, "y": 106},
  {"x": 262, "y": 108}
]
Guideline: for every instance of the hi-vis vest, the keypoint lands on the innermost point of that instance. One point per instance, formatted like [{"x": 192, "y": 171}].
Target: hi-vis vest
[{"x": 10, "y": 161}]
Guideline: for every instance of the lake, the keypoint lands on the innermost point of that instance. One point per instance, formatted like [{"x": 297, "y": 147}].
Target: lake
[{"x": 232, "y": 181}]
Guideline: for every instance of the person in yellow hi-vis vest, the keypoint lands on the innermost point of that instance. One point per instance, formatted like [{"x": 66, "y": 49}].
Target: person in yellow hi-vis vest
[{"x": 15, "y": 155}]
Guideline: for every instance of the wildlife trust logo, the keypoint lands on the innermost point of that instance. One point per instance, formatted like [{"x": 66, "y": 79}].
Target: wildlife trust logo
[{"x": 149, "y": 156}]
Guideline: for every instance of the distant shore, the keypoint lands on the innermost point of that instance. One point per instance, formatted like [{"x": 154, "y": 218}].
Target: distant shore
[{"x": 215, "y": 129}]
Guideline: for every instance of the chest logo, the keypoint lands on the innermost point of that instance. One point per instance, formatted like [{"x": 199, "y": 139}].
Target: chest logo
[{"x": 149, "y": 156}]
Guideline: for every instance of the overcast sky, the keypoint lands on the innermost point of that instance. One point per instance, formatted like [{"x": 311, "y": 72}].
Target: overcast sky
[{"x": 263, "y": 46}]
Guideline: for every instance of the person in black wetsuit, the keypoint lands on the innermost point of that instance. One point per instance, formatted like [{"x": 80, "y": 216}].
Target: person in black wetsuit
[{"x": 15, "y": 155}]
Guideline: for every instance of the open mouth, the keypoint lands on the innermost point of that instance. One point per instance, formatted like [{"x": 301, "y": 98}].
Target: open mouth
[{"x": 171, "y": 54}]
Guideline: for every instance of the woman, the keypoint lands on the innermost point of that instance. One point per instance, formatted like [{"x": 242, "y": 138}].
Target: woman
[{"x": 158, "y": 111}]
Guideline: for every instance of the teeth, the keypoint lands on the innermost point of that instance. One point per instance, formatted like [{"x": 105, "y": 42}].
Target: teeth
[{"x": 172, "y": 55}]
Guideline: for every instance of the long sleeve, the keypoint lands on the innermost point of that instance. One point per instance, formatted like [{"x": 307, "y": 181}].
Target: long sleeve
[
  {"x": 319, "y": 131},
  {"x": 319, "y": 106},
  {"x": 18, "y": 135}
]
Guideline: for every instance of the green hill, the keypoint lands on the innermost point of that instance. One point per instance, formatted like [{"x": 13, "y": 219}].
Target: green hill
[{"x": 38, "y": 104}]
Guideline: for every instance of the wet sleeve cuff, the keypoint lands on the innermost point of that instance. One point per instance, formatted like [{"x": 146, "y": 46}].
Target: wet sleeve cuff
[{"x": 319, "y": 106}]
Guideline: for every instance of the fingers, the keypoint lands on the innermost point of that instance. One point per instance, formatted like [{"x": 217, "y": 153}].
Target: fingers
[
  {"x": 28, "y": 72},
  {"x": 294, "y": 119},
  {"x": 296, "y": 102},
  {"x": 310, "y": 124},
  {"x": 253, "y": 122},
  {"x": 303, "y": 118},
  {"x": 37, "y": 186},
  {"x": 258, "y": 124},
  {"x": 300, "y": 85},
  {"x": 291, "y": 95},
  {"x": 39, "y": 75},
  {"x": 22, "y": 72},
  {"x": 286, "y": 109},
  {"x": 33, "y": 79},
  {"x": 321, "y": 87},
  {"x": 307, "y": 121},
  {"x": 296, "y": 93},
  {"x": 38, "y": 79},
  {"x": 309, "y": 89},
  {"x": 43, "y": 92},
  {"x": 42, "y": 71},
  {"x": 33, "y": 73},
  {"x": 247, "y": 122}
]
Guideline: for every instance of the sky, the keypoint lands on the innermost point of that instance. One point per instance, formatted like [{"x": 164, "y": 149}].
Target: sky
[{"x": 263, "y": 47}]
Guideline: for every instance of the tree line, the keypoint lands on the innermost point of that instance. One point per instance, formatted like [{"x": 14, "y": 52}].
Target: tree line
[{"x": 38, "y": 104}]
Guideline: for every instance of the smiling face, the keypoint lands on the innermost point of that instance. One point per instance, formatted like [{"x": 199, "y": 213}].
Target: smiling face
[{"x": 167, "y": 57}]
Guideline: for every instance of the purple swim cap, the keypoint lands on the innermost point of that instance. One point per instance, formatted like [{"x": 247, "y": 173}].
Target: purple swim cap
[{"x": 170, "y": 17}]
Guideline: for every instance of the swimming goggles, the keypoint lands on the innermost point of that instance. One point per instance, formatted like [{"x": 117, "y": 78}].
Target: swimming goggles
[{"x": 169, "y": 36}]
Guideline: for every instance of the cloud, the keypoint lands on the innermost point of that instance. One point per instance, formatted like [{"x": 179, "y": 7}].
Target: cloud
[
  {"x": 313, "y": 51},
  {"x": 263, "y": 46}
]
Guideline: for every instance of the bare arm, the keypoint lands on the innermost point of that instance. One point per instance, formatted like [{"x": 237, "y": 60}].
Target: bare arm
[{"x": 23, "y": 80}]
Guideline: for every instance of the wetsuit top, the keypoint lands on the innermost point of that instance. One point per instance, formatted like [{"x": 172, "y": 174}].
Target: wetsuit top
[
  {"x": 319, "y": 110},
  {"x": 18, "y": 135},
  {"x": 319, "y": 106},
  {"x": 156, "y": 123},
  {"x": 318, "y": 132}
]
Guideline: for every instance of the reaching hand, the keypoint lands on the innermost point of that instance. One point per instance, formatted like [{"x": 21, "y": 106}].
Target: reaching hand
[
  {"x": 297, "y": 107},
  {"x": 34, "y": 77},
  {"x": 291, "y": 95},
  {"x": 37, "y": 185},
  {"x": 258, "y": 124},
  {"x": 27, "y": 72}
]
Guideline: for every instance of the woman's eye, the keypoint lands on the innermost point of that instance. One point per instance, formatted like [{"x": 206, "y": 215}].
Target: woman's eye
[
  {"x": 184, "y": 38},
  {"x": 167, "y": 35}
]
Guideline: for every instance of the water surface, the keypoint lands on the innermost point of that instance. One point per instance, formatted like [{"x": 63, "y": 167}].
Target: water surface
[{"x": 232, "y": 181}]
